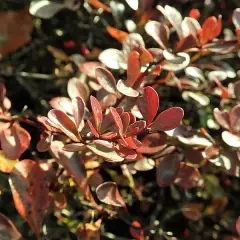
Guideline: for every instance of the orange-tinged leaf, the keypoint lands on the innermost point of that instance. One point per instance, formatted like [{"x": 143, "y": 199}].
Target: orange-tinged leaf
[
  {"x": 7, "y": 229},
  {"x": 97, "y": 4},
  {"x": 207, "y": 29},
  {"x": 14, "y": 141},
  {"x": 193, "y": 211},
  {"x": 108, "y": 193},
  {"x": 90, "y": 231},
  {"x": 6, "y": 164},
  {"x": 30, "y": 193},
  {"x": 136, "y": 231},
  {"x": 17, "y": 27},
  {"x": 63, "y": 122},
  {"x": 121, "y": 36},
  {"x": 134, "y": 68}
]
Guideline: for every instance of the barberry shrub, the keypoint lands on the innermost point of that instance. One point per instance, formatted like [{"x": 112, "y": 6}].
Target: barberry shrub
[{"x": 111, "y": 129}]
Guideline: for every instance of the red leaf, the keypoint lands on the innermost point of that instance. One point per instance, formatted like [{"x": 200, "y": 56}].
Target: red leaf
[
  {"x": 14, "y": 141},
  {"x": 97, "y": 112},
  {"x": 126, "y": 153},
  {"x": 125, "y": 121},
  {"x": 187, "y": 177},
  {"x": 63, "y": 122},
  {"x": 134, "y": 68},
  {"x": 238, "y": 226},
  {"x": 133, "y": 143},
  {"x": 211, "y": 28},
  {"x": 78, "y": 106},
  {"x": 74, "y": 166},
  {"x": 135, "y": 128},
  {"x": 148, "y": 104},
  {"x": 168, "y": 119},
  {"x": 89, "y": 68},
  {"x": 30, "y": 193},
  {"x": 7, "y": 229},
  {"x": 167, "y": 169},
  {"x": 145, "y": 56},
  {"x": 2, "y": 92},
  {"x": 92, "y": 129},
  {"x": 108, "y": 193},
  {"x": 117, "y": 120},
  {"x": 152, "y": 143},
  {"x": 106, "y": 79},
  {"x": 194, "y": 13},
  {"x": 136, "y": 231}
]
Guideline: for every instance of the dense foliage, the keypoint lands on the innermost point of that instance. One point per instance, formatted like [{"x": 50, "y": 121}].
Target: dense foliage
[{"x": 119, "y": 120}]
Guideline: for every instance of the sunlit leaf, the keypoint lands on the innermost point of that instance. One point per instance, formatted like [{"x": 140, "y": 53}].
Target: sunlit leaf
[
  {"x": 175, "y": 62},
  {"x": 45, "y": 9},
  {"x": 113, "y": 58},
  {"x": 14, "y": 141},
  {"x": 63, "y": 122},
  {"x": 30, "y": 193},
  {"x": 236, "y": 19},
  {"x": 159, "y": 32},
  {"x": 106, "y": 79},
  {"x": 105, "y": 149},
  {"x": 78, "y": 106},
  {"x": 76, "y": 88},
  {"x": 89, "y": 68},
  {"x": 199, "y": 97},
  {"x": 145, "y": 164},
  {"x": 133, "y": 4},
  {"x": 231, "y": 139},
  {"x": 108, "y": 193},
  {"x": 6, "y": 164},
  {"x": 126, "y": 90}
]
